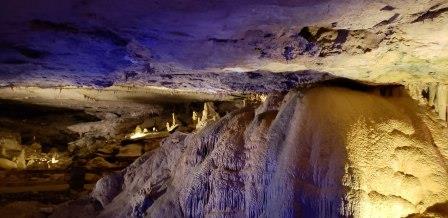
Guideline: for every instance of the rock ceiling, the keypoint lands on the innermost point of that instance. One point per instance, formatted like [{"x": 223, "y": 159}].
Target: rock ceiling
[{"x": 187, "y": 44}]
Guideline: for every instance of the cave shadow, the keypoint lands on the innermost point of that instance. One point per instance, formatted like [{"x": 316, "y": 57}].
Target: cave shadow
[{"x": 42, "y": 124}]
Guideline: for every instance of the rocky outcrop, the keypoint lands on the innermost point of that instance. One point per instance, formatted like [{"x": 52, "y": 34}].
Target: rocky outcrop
[{"x": 320, "y": 152}]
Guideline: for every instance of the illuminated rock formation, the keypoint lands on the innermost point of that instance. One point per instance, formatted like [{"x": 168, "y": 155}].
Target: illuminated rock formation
[
  {"x": 208, "y": 116},
  {"x": 320, "y": 152},
  {"x": 138, "y": 133},
  {"x": 434, "y": 94},
  {"x": 174, "y": 125}
]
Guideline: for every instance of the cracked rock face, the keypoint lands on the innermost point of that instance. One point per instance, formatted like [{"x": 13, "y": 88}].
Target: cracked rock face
[
  {"x": 104, "y": 43},
  {"x": 320, "y": 152}
]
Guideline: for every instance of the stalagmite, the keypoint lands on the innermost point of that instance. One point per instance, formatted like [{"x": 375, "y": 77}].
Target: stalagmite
[
  {"x": 138, "y": 133},
  {"x": 174, "y": 125},
  {"x": 208, "y": 115}
]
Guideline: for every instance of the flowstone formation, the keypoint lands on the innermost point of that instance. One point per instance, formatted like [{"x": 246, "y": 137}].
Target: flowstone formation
[{"x": 323, "y": 151}]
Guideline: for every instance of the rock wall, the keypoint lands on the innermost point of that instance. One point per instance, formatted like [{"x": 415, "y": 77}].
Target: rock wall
[
  {"x": 320, "y": 152},
  {"x": 434, "y": 94}
]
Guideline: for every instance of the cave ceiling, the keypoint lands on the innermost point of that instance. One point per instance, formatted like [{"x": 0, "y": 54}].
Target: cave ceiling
[{"x": 209, "y": 45}]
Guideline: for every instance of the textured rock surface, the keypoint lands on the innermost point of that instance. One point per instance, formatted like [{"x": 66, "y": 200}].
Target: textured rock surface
[
  {"x": 321, "y": 152},
  {"x": 318, "y": 152},
  {"x": 192, "y": 44}
]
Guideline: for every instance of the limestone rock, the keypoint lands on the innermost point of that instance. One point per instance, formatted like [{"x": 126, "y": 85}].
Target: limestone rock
[
  {"x": 107, "y": 188},
  {"x": 99, "y": 162},
  {"x": 20, "y": 160},
  {"x": 107, "y": 149},
  {"x": 131, "y": 150},
  {"x": 10, "y": 141},
  {"x": 207, "y": 116},
  {"x": 357, "y": 39},
  {"x": 433, "y": 94},
  {"x": 7, "y": 164},
  {"x": 323, "y": 152}
]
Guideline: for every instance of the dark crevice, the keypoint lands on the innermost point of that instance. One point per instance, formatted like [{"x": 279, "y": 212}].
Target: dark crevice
[
  {"x": 342, "y": 36},
  {"x": 387, "y": 8},
  {"x": 254, "y": 75},
  {"x": 37, "y": 24},
  {"x": 223, "y": 40},
  {"x": 43, "y": 124},
  {"x": 106, "y": 34},
  {"x": 306, "y": 34},
  {"x": 361, "y": 86},
  {"x": 14, "y": 61},
  {"x": 103, "y": 83},
  {"x": 23, "y": 50},
  {"x": 388, "y": 21},
  {"x": 178, "y": 33},
  {"x": 30, "y": 53},
  {"x": 97, "y": 32},
  {"x": 288, "y": 53},
  {"x": 430, "y": 15}
]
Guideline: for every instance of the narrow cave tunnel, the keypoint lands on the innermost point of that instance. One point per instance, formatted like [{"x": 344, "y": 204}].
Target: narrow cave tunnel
[{"x": 268, "y": 108}]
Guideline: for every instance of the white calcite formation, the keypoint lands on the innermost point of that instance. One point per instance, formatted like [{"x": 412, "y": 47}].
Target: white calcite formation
[
  {"x": 207, "y": 116},
  {"x": 320, "y": 152},
  {"x": 434, "y": 94},
  {"x": 174, "y": 123}
]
